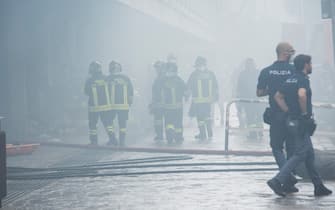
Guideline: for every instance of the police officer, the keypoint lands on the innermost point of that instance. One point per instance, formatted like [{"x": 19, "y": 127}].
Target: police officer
[
  {"x": 156, "y": 106},
  {"x": 173, "y": 90},
  {"x": 203, "y": 87},
  {"x": 121, "y": 98},
  {"x": 295, "y": 99},
  {"x": 96, "y": 88},
  {"x": 269, "y": 81}
]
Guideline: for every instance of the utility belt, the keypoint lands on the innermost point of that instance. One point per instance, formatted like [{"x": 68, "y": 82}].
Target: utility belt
[
  {"x": 299, "y": 125},
  {"x": 270, "y": 116}
]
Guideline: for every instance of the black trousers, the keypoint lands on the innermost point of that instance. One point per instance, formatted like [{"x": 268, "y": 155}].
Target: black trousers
[
  {"x": 122, "y": 118},
  {"x": 159, "y": 123},
  {"x": 174, "y": 124},
  {"x": 203, "y": 115},
  {"x": 106, "y": 119}
]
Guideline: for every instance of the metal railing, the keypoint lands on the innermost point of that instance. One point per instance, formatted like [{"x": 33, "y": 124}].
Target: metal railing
[
  {"x": 263, "y": 101},
  {"x": 3, "y": 167}
]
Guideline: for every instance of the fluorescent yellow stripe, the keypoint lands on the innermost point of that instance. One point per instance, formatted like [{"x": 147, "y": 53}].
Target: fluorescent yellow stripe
[
  {"x": 119, "y": 106},
  {"x": 100, "y": 82},
  {"x": 179, "y": 130},
  {"x": 199, "y": 89},
  {"x": 99, "y": 108},
  {"x": 201, "y": 123},
  {"x": 202, "y": 100},
  {"x": 95, "y": 95},
  {"x": 125, "y": 94},
  {"x": 123, "y": 130},
  {"x": 173, "y": 94},
  {"x": 210, "y": 87},
  {"x": 173, "y": 106},
  {"x": 107, "y": 94},
  {"x": 170, "y": 126}
]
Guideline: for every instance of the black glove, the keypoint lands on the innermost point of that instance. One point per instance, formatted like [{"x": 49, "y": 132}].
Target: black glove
[
  {"x": 308, "y": 124},
  {"x": 268, "y": 115}
]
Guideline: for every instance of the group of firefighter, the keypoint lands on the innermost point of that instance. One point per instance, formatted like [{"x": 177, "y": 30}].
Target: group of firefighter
[{"x": 111, "y": 96}]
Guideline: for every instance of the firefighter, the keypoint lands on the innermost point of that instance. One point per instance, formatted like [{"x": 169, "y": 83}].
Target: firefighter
[
  {"x": 173, "y": 90},
  {"x": 203, "y": 87},
  {"x": 156, "y": 108},
  {"x": 96, "y": 88},
  {"x": 121, "y": 98}
]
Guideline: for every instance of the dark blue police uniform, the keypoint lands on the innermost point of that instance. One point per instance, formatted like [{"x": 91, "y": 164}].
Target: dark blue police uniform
[
  {"x": 303, "y": 145},
  {"x": 271, "y": 78}
]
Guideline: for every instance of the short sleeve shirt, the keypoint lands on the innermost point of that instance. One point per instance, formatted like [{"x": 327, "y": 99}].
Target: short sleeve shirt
[
  {"x": 290, "y": 90},
  {"x": 272, "y": 77}
]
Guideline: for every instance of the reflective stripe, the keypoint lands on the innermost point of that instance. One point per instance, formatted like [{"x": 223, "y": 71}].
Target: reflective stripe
[
  {"x": 179, "y": 130},
  {"x": 201, "y": 123},
  {"x": 173, "y": 95},
  {"x": 173, "y": 106},
  {"x": 120, "y": 106},
  {"x": 95, "y": 95},
  {"x": 123, "y": 130},
  {"x": 203, "y": 100},
  {"x": 107, "y": 94},
  {"x": 199, "y": 88},
  {"x": 110, "y": 128},
  {"x": 92, "y": 132},
  {"x": 113, "y": 95},
  {"x": 210, "y": 88},
  {"x": 99, "y": 108},
  {"x": 125, "y": 94},
  {"x": 170, "y": 126}
]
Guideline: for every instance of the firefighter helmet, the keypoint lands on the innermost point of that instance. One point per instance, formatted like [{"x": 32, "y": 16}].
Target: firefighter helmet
[
  {"x": 200, "y": 61},
  {"x": 115, "y": 67},
  {"x": 171, "y": 67},
  {"x": 95, "y": 67}
]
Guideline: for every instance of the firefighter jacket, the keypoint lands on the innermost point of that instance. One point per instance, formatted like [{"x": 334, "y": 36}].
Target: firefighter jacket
[
  {"x": 121, "y": 92},
  {"x": 172, "y": 91},
  {"x": 203, "y": 87},
  {"x": 96, "y": 88}
]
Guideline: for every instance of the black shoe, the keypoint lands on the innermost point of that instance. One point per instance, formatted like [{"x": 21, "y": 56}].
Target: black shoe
[
  {"x": 290, "y": 189},
  {"x": 292, "y": 180},
  {"x": 112, "y": 143},
  {"x": 276, "y": 187},
  {"x": 93, "y": 143},
  {"x": 122, "y": 143},
  {"x": 321, "y": 190},
  {"x": 158, "y": 139}
]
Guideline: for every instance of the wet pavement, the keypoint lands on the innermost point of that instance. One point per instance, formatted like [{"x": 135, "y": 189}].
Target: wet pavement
[{"x": 200, "y": 185}]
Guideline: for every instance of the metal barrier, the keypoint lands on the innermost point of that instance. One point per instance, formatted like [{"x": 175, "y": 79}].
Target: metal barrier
[
  {"x": 3, "y": 167},
  {"x": 244, "y": 100}
]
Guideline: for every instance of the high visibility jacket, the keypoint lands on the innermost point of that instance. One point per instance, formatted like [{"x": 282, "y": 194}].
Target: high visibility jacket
[
  {"x": 121, "y": 91},
  {"x": 172, "y": 90},
  {"x": 203, "y": 86},
  {"x": 96, "y": 88}
]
